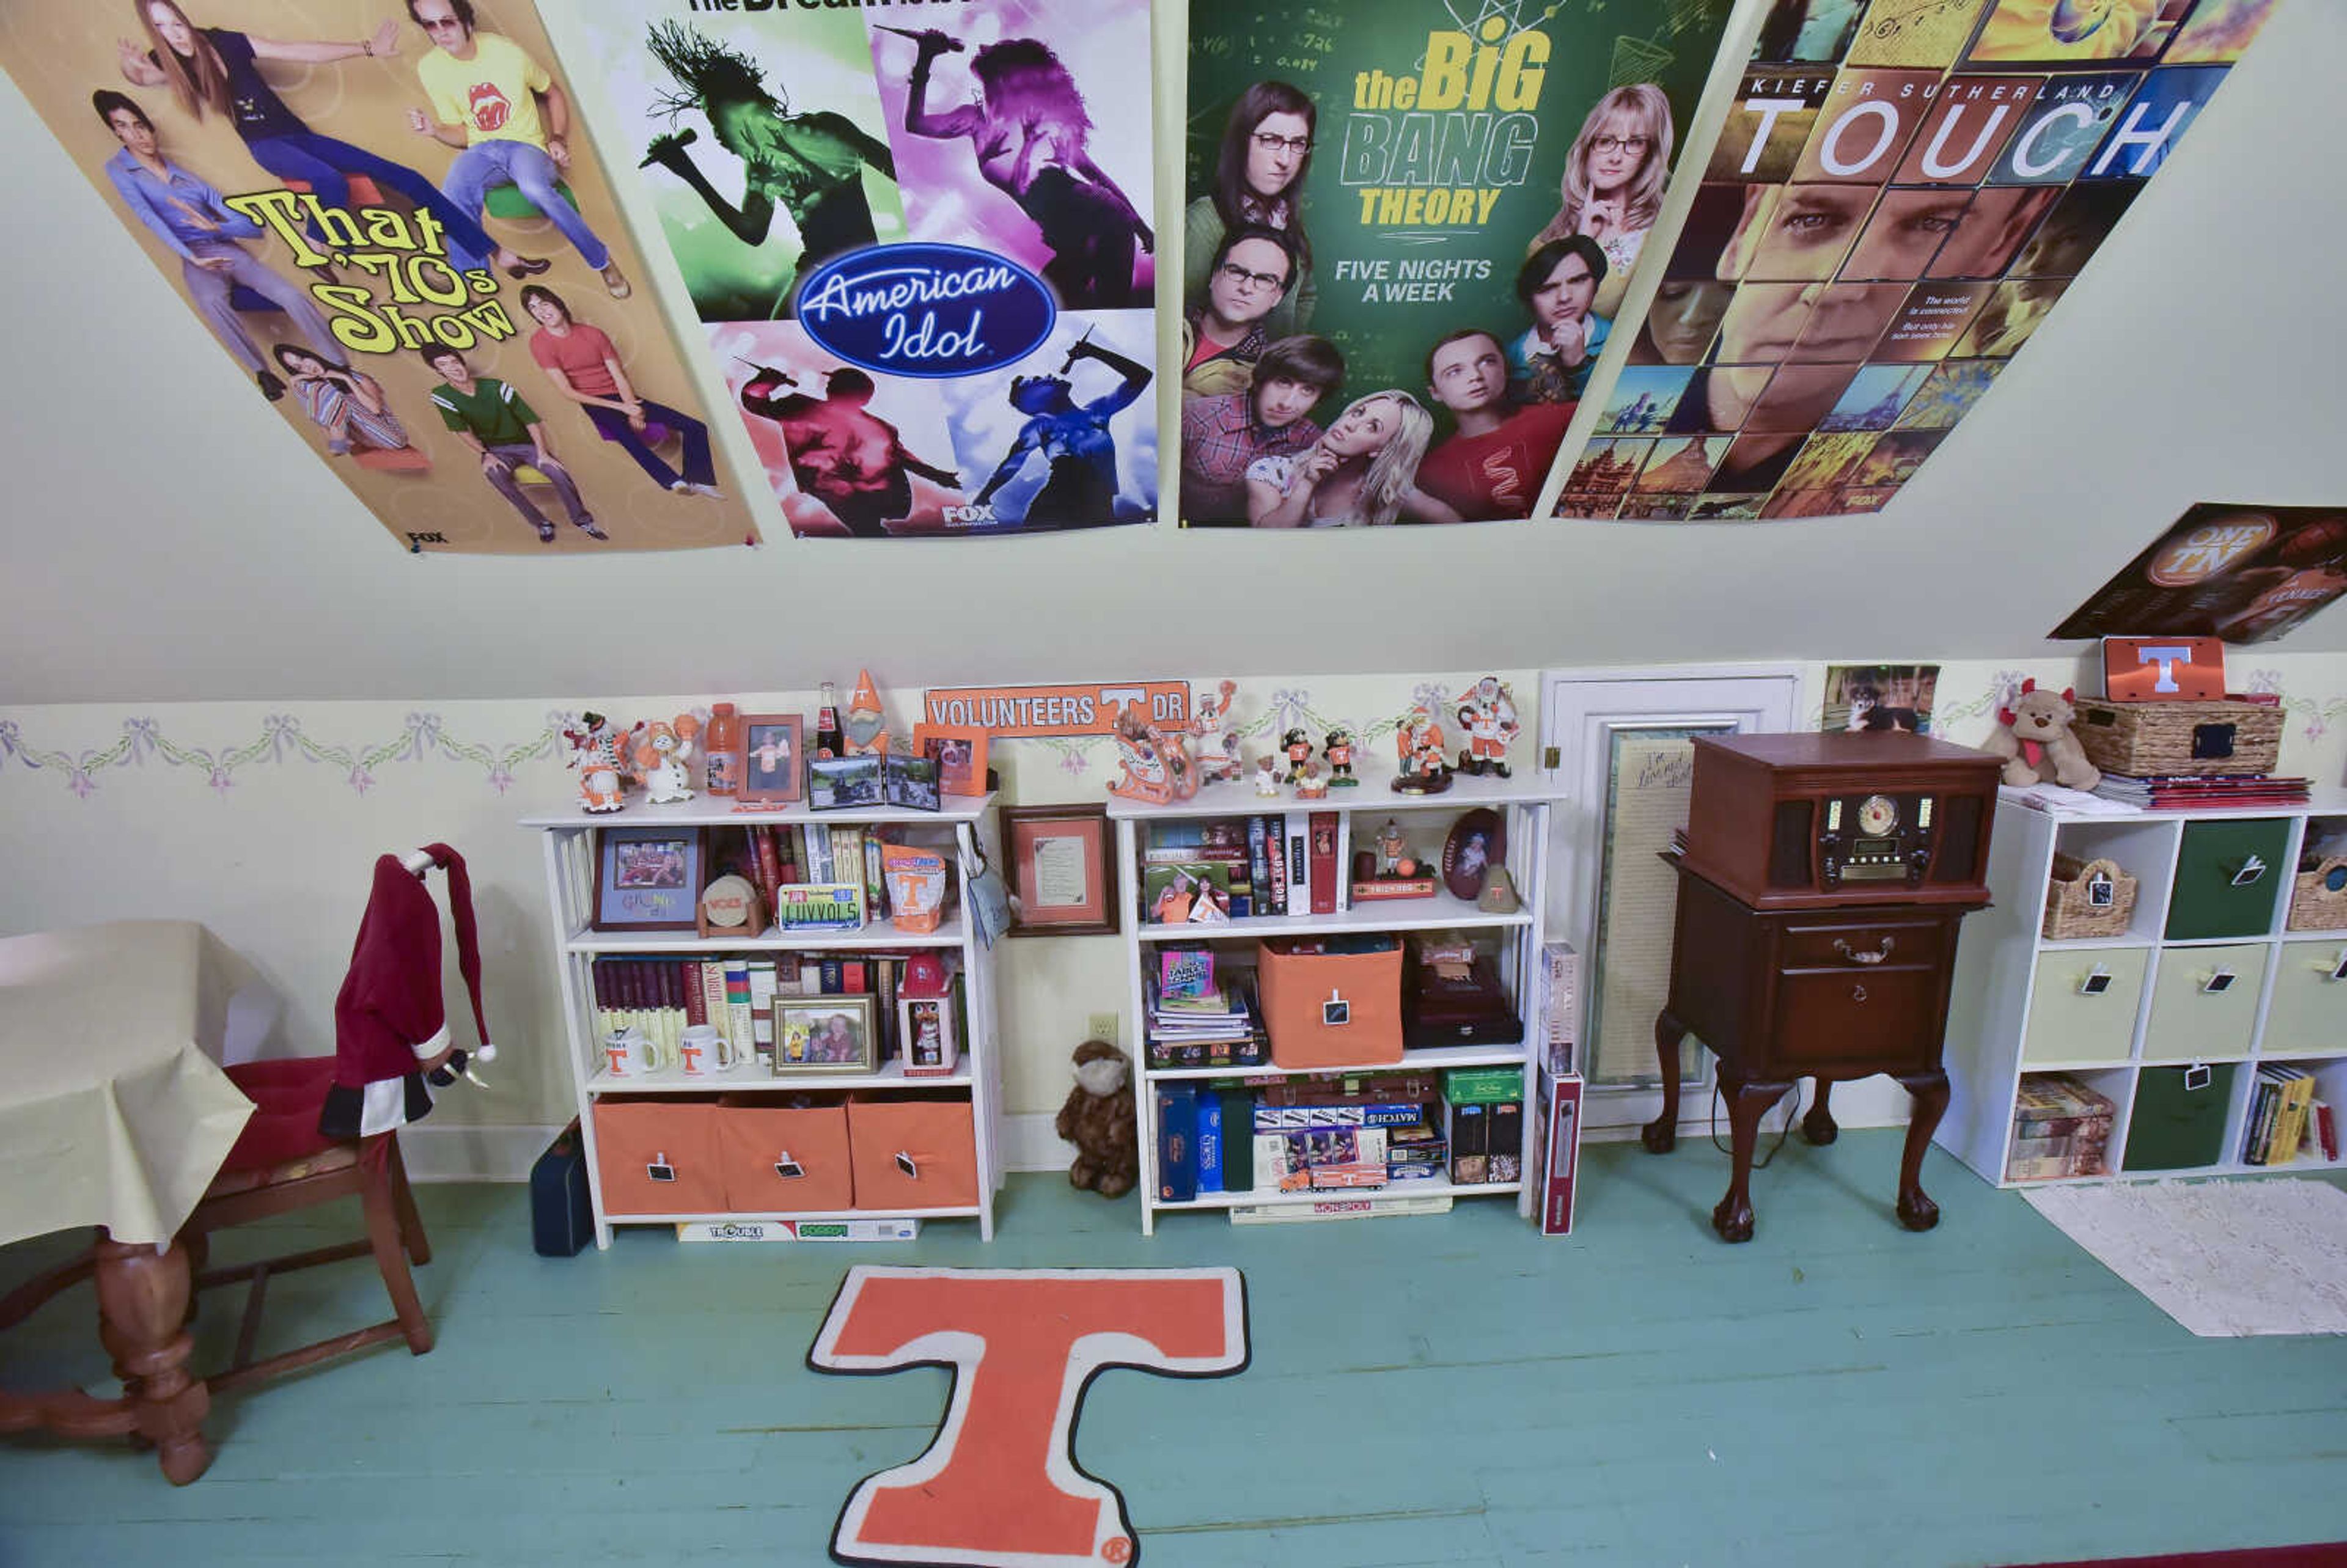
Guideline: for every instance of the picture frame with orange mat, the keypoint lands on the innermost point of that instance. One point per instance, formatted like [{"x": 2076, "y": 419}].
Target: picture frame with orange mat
[{"x": 960, "y": 752}]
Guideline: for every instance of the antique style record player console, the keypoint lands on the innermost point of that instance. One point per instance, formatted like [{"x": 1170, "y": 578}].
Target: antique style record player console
[{"x": 1820, "y": 890}]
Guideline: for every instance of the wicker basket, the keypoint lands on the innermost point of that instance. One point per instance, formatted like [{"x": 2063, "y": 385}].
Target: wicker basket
[
  {"x": 2318, "y": 900},
  {"x": 2150, "y": 740},
  {"x": 2087, "y": 898}
]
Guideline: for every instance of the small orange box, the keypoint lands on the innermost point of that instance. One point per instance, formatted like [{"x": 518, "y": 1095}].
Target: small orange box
[
  {"x": 783, "y": 1160},
  {"x": 659, "y": 1156},
  {"x": 911, "y": 1153},
  {"x": 1330, "y": 1010}
]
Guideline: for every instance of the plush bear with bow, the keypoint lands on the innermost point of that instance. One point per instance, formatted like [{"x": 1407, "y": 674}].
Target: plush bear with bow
[
  {"x": 2034, "y": 738},
  {"x": 1098, "y": 1120}
]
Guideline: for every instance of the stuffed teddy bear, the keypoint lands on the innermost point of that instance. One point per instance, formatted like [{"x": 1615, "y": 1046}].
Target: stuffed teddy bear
[
  {"x": 2034, "y": 738},
  {"x": 1098, "y": 1120}
]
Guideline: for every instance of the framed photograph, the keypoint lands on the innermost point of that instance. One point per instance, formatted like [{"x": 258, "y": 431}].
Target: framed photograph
[
  {"x": 932, "y": 1041},
  {"x": 826, "y": 1034},
  {"x": 773, "y": 765},
  {"x": 647, "y": 879},
  {"x": 840, "y": 783},
  {"x": 910, "y": 782},
  {"x": 1062, "y": 869},
  {"x": 959, "y": 753}
]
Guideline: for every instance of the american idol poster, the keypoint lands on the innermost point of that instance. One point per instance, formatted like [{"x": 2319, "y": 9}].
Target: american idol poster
[{"x": 917, "y": 239}]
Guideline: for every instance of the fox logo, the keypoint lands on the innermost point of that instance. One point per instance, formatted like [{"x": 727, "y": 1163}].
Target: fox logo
[{"x": 491, "y": 108}]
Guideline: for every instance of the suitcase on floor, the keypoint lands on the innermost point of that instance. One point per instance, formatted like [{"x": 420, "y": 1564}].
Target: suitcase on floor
[{"x": 561, "y": 1219}]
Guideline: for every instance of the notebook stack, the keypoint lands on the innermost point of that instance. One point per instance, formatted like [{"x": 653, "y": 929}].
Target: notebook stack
[{"x": 1219, "y": 1028}]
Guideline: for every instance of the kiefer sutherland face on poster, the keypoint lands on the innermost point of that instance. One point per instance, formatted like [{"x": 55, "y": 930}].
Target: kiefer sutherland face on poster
[{"x": 1415, "y": 159}]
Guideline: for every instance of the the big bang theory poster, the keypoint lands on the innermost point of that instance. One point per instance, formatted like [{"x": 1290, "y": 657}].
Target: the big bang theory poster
[
  {"x": 388, "y": 217},
  {"x": 1903, "y": 190},
  {"x": 1409, "y": 224},
  {"x": 918, "y": 238}
]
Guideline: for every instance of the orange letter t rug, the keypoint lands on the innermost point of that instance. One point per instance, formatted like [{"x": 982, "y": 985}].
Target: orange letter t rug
[{"x": 999, "y": 1486}]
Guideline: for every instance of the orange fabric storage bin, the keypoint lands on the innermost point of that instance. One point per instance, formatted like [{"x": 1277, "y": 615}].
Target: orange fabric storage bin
[
  {"x": 936, "y": 1139},
  {"x": 1329, "y": 1010},
  {"x": 659, "y": 1156},
  {"x": 779, "y": 1159}
]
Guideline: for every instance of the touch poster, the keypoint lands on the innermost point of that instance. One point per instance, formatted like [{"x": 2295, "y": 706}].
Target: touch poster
[
  {"x": 1409, "y": 225},
  {"x": 917, "y": 238},
  {"x": 389, "y": 218},
  {"x": 1903, "y": 191}
]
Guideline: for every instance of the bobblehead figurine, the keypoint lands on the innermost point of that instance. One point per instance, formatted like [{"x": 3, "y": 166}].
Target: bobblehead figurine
[
  {"x": 1266, "y": 775},
  {"x": 1298, "y": 747},
  {"x": 1339, "y": 749}
]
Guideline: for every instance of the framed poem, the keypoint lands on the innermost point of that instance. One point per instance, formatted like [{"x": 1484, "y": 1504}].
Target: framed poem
[
  {"x": 1062, "y": 869},
  {"x": 826, "y": 1034},
  {"x": 773, "y": 770},
  {"x": 647, "y": 879},
  {"x": 959, "y": 753}
]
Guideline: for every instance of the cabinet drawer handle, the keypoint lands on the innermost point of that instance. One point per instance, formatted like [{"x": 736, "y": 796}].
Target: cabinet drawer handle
[
  {"x": 2248, "y": 873},
  {"x": 1858, "y": 993},
  {"x": 1855, "y": 957}
]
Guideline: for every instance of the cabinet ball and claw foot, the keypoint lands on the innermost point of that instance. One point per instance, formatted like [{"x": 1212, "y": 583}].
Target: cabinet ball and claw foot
[{"x": 1820, "y": 892}]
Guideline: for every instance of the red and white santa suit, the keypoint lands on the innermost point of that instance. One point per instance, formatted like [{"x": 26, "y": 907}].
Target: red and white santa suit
[
  {"x": 1489, "y": 719},
  {"x": 390, "y": 1023}
]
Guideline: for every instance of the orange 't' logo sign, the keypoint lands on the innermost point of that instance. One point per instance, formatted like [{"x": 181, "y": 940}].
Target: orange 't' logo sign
[{"x": 998, "y": 1485}]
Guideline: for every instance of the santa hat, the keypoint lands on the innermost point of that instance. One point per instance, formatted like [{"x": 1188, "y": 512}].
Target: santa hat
[{"x": 389, "y": 1018}]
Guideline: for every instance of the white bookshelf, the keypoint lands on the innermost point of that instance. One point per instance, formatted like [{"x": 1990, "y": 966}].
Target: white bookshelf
[
  {"x": 1522, "y": 803},
  {"x": 570, "y": 847},
  {"x": 2018, "y": 1008}
]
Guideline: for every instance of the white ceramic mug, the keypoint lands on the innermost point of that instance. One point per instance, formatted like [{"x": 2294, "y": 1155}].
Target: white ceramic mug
[
  {"x": 630, "y": 1053},
  {"x": 702, "y": 1051}
]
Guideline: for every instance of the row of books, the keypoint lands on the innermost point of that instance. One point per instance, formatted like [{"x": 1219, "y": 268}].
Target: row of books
[
  {"x": 2286, "y": 1120},
  {"x": 1231, "y": 868},
  {"x": 2181, "y": 791},
  {"x": 775, "y": 856},
  {"x": 663, "y": 996},
  {"x": 1339, "y": 1134}
]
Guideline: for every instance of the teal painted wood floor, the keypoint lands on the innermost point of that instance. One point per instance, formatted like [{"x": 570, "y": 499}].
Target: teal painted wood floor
[{"x": 1449, "y": 1390}]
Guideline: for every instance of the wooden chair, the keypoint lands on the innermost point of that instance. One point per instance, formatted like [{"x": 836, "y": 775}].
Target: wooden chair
[{"x": 282, "y": 1163}]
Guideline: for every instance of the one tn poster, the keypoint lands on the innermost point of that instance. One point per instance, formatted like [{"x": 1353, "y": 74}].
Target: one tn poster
[
  {"x": 1409, "y": 224},
  {"x": 917, "y": 238},
  {"x": 388, "y": 217},
  {"x": 1903, "y": 191}
]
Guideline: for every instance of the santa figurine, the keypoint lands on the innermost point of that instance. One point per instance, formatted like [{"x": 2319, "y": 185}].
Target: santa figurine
[
  {"x": 391, "y": 1031},
  {"x": 1488, "y": 714}
]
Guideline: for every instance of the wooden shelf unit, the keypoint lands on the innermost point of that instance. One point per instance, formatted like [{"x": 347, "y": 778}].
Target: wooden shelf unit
[
  {"x": 2019, "y": 1008},
  {"x": 570, "y": 845},
  {"x": 1522, "y": 803}
]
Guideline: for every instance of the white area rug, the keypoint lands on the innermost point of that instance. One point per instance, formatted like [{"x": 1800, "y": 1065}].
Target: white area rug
[{"x": 2222, "y": 1257}]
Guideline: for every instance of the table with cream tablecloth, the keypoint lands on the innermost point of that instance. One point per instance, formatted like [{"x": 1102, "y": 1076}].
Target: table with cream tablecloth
[{"x": 114, "y": 1113}]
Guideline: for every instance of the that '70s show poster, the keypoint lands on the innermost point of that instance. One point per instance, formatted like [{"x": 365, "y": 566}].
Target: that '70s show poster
[
  {"x": 917, "y": 236},
  {"x": 1901, "y": 193},
  {"x": 387, "y": 215},
  {"x": 1410, "y": 226}
]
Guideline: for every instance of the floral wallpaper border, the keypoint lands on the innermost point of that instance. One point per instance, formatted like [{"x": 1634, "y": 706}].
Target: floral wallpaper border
[{"x": 424, "y": 737}]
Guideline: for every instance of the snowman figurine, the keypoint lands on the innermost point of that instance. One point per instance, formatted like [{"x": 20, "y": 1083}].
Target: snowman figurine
[{"x": 661, "y": 751}]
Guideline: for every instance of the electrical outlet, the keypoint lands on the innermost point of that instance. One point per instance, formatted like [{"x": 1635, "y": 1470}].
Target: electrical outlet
[{"x": 1102, "y": 1026}]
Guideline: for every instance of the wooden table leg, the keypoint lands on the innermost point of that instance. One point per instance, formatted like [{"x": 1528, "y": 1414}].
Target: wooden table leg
[
  {"x": 1662, "y": 1134},
  {"x": 1916, "y": 1212},
  {"x": 1818, "y": 1125},
  {"x": 142, "y": 1306},
  {"x": 1748, "y": 1101}
]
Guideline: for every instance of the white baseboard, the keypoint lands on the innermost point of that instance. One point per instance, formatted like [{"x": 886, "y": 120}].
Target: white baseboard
[
  {"x": 437, "y": 1151},
  {"x": 1030, "y": 1141}
]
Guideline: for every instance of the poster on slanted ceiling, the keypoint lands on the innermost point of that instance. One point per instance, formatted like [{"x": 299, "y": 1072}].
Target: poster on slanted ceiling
[
  {"x": 1410, "y": 226},
  {"x": 390, "y": 220},
  {"x": 917, "y": 238},
  {"x": 1901, "y": 193}
]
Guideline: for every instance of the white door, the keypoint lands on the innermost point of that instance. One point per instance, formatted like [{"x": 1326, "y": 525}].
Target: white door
[{"x": 1619, "y": 746}]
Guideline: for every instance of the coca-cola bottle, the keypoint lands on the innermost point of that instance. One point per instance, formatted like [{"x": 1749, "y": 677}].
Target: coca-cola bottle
[{"x": 829, "y": 740}]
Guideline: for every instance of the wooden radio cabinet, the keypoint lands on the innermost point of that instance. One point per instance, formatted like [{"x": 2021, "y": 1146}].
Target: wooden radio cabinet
[{"x": 1820, "y": 891}]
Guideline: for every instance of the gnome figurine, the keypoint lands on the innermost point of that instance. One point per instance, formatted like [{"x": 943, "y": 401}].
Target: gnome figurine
[{"x": 867, "y": 727}]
